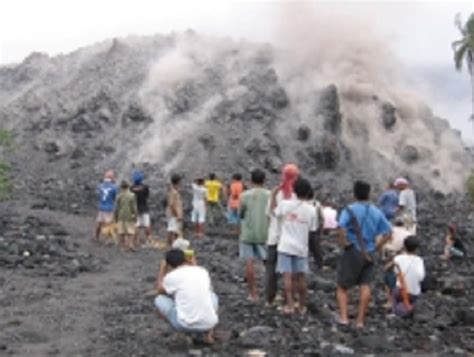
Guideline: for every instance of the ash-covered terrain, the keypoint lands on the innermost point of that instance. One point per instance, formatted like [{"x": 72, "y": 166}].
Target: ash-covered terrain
[{"x": 193, "y": 104}]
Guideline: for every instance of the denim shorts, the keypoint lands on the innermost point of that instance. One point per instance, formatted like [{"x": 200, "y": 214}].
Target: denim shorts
[
  {"x": 167, "y": 308},
  {"x": 249, "y": 251},
  {"x": 287, "y": 263},
  {"x": 233, "y": 216}
]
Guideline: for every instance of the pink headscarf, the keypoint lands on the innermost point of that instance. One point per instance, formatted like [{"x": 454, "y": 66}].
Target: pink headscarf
[{"x": 289, "y": 175}]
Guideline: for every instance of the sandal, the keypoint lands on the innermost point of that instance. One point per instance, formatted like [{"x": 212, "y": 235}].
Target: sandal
[{"x": 288, "y": 310}]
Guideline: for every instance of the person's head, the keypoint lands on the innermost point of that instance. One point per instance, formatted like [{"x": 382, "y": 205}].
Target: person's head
[
  {"x": 361, "y": 190},
  {"x": 109, "y": 175},
  {"x": 390, "y": 185},
  {"x": 137, "y": 177},
  {"x": 200, "y": 181},
  {"x": 237, "y": 177},
  {"x": 175, "y": 179},
  {"x": 212, "y": 176},
  {"x": 124, "y": 185},
  {"x": 411, "y": 244},
  {"x": 302, "y": 189},
  {"x": 175, "y": 258},
  {"x": 401, "y": 183},
  {"x": 257, "y": 177},
  {"x": 289, "y": 174}
]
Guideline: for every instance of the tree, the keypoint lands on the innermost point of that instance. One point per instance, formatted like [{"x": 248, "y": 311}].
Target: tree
[{"x": 464, "y": 51}]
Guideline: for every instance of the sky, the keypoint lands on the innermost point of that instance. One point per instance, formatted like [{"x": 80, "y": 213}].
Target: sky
[{"x": 420, "y": 32}]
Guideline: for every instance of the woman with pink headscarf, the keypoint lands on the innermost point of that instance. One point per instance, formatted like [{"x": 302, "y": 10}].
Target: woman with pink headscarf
[{"x": 284, "y": 191}]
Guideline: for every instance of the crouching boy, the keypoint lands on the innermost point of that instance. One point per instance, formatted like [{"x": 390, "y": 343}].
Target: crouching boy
[
  {"x": 410, "y": 271},
  {"x": 186, "y": 299}
]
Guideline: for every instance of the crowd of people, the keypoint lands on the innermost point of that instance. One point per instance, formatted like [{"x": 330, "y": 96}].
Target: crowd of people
[{"x": 279, "y": 228}]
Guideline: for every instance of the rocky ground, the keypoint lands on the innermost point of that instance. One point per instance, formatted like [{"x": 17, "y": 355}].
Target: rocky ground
[{"x": 64, "y": 295}]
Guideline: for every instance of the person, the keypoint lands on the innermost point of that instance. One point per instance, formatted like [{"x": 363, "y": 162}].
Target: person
[
  {"x": 360, "y": 223},
  {"x": 198, "y": 214},
  {"x": 107, "y": 193},
  {"x": 393, "y": 247},
  {"x": 254, "y": 228},
  {"x": 283, "y": 191},
  {"x": 214, "y": 190},
  {"x": 314, "y": 242},
  {"x": 186, "y": 298},
  {"x": 236, "y": 188},
  {"x": 174, "y": 210},
  {"x": 410, "y": 271},
  {"x": 142, "y": 192},
  {"x": 406, "y": 204},
  {"x": 126, "y": 213},
  {"x": 454, "y": 248},
  {"x": 388, "y": 201},
  {"x": 298, "y": 219},
  {"x": 329, "y": 217}
]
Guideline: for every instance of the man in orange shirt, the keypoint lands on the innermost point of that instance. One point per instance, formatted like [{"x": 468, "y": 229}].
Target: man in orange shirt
[{"x": 236, "y": 188}]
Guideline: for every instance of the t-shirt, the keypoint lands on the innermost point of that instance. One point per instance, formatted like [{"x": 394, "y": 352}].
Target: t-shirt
[
  {"x": 298, "y": 218},
  {"x": 274, "y": 228},
  {"x": 235, "y": 190},
  {"x": 126, "y": 210},
  {"x": 199, "y": 196},
  {"x": 213, "y": 190},
  {"x": 398, "y": 238},
  {"x": 142, "y": 192},
  {"x": 388, "y": 203},
  {"x": 174, "y": 200},
  {"x": 413, "y": 270},
  {"x": 192, "y": 291},
  {"x": 107, "y": 192},
  {"x": 407, "y": 200},
  {"x": 330, "y": 218},
  {"x": 372, "y": 223},
  {"x": 254, "y": 224}
]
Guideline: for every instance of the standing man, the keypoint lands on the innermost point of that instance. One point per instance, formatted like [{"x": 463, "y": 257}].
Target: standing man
[
  {"x": 126, "y": 213},
  {"x": 254, "y": 228},
  {"x": 359, "y": 225},
  {"x": 406, "y": 204},
  {"x": 388, "y": 201},
  {"x": 174, "y": 210},
  {"x": 214, "y": 190},
  {"x": 142, "y": 192},
  {"x": 106, "y": 192}
]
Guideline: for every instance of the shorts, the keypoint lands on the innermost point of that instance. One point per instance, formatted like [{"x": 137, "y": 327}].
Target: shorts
[
  {"x": 287, "y": 263},
  {"x": 174, "y": 225},
  {"x": 353, "y": 269},
  {"x": 250, "y": 251},
  {"x": 143, "y": 220},
  {"x": 105, "y": 217},
  {"x": 125, "y": 228},
  {"x": 198, "y": 215},
  {"x": 233, "y": 216},
  {"x": 167, "y": 308},
  {"x": 390, "y": 279}
]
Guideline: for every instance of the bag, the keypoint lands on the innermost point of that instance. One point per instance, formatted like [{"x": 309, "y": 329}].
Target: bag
[{"x": 358, "y": 234}]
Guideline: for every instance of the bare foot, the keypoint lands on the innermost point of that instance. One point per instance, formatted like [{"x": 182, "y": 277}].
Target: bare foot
[
  {"x": 288, "y": 310},
  {"x": 209, "y": 337}
]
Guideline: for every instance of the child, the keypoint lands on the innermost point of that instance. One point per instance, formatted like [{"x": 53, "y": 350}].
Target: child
[
  {"x": 298, "y": 219},
  {"x": 254, "y": 228},
  {"x": 126, "y": 213},
  {"x": 174, "y": 210},
  {"x": 454, "y": 247},
  {"x": 235, "y": 190},
  {"x": 410, "y": 271},
  {"x": 198, "y": 215}
]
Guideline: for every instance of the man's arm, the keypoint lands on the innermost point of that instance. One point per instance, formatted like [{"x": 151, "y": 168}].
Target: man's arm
[{"x": 273, "y": 201}]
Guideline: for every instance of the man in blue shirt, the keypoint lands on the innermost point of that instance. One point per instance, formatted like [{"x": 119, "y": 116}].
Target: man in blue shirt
[
  {"x": 356, "y": 266},
  {"x": 106, "y": 193},
  {"x": 388, "y": 202}
]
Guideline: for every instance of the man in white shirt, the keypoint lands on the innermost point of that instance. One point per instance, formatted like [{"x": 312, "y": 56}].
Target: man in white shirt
[
  {"x": 298, "y": 219},
  {"x": 410, "y": 273},
  {"x": 406, "y": 204},
  {"x": 198, "y": 215},
  {"x": 186, "y": 299}
]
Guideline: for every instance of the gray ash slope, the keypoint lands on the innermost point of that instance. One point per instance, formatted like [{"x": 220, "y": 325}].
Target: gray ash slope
[{"x": 192, "y": 104}]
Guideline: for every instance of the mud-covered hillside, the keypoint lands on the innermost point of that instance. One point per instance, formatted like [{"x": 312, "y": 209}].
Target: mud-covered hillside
[{"x": 191, "y": 104}]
